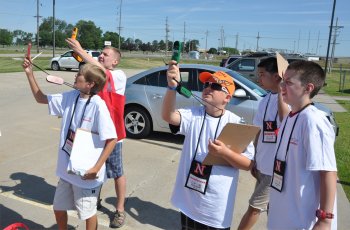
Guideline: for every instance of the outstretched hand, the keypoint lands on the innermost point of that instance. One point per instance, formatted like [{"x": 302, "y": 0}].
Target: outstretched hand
[
  {"x": 27, "y": 66},
  {"x": 73, "y": 44}
]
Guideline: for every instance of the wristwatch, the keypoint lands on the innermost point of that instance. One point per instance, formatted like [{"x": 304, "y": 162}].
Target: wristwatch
[
  {"x": 172, "y": 87},
  {"x": 321, "y": 214}
]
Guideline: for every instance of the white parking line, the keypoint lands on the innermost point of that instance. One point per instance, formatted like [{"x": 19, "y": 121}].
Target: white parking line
[{"x": 72, "y": 213}]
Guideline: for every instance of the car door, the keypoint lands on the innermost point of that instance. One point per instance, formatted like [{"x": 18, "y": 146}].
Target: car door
[
  {"x": 155, "y": 89},
  {"x": 68, "y": 61}
]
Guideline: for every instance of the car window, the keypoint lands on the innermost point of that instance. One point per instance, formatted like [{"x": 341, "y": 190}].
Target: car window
[
  {"x": 68, "y": 54},
  {"x": 95, "y": 54},
  {"x": 244, "y": 65},
  {"x": 154, "y": 79}
]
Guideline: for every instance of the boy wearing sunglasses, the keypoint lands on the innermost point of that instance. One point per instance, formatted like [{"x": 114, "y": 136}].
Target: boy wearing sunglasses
[{"x": 205, "y": 194}]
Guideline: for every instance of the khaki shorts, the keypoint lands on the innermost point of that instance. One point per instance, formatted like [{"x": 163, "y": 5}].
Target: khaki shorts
[
  {"x": 71, "y": 197},
  {"x": 260, "y": 197}
]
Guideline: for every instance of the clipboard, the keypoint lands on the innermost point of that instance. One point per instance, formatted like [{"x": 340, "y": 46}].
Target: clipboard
[
  {"x": 86, "y": 150},
  {"x": 236, "y": 137}
]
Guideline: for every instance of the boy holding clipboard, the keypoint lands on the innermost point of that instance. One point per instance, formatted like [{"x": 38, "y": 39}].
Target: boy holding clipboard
[
  {"x": 80, "y": 108},
  {"x": 204, "y": 193}
]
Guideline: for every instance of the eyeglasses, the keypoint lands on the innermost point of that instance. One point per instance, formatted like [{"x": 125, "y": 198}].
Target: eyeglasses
[{"x": 215, "y": 86}]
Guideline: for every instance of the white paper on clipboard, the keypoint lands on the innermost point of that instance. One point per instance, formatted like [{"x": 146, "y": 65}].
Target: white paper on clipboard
[{"x": 87, "y": 149}]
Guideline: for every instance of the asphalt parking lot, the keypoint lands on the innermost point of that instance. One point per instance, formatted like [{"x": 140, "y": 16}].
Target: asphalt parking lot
[{"x": 28, "y": 153}]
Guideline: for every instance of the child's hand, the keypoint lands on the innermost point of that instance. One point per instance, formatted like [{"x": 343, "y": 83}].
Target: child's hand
[
  {"x": 73, "y": 44},
  {"x": 91, "y": 174},
  {"x": 173, "y": 73},
  {"x": 217, "y": 148},
  {"x": 27, "y": 65}
]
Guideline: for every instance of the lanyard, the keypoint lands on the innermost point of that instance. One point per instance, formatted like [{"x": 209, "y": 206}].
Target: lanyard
[
  {"x": 291, "y": 133},
  {"x": 75, "y": 106},
  {"x": 200, "y": 133},
  {"x": 267, "y": 107}
]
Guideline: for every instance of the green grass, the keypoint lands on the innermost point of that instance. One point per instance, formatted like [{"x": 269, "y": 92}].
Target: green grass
[{"x": 342, "y": 147}]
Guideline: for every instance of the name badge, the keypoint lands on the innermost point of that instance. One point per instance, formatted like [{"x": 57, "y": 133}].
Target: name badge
[
  {"x": 269, "y": 132},
  {"x": 198, "y": 177},
  {"x": 68, "y": 143},
  {"x": 277, "y": 181}
]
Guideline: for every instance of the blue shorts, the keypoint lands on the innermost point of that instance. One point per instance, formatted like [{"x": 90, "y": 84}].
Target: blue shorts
[{"x": 114, "y": 163}]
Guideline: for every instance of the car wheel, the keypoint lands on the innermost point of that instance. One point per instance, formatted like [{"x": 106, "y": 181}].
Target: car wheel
[
  {"x": 55, "y": 66},
  {"x": 137, "y": 122}
]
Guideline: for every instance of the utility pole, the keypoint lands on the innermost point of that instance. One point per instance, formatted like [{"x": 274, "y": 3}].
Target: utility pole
[
  {"x": 120, "y": 22},
  {"x": 166, "y": 35},
  {"x": 184, "y": 44},
  {"x": 308, "y": 43},
  {"x": 330, "y": 36},
  {"x": 257, "y": 42},
  {"x": 206, "y": 40},
  {"x": 53, "y": 28},
  {"x": 298, "y": 42},
  {"x": 37, "y": 25},
  {"x": 335, "y": 35},
  {"x": 318, "y": 41},
  {"x": 236, "y": 46}
]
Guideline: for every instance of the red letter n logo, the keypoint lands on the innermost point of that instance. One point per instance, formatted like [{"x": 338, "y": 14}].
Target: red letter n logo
[
  {"x": 278, "y": 166},
  {"x": 268, "y": 125},
  {"x": 199, "y": 169}
]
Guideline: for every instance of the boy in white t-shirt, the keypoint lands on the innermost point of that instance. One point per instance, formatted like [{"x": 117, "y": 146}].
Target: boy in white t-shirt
[
  {"x": 108, "y": 61},
  {"x": 271, "y": 109},
  {"x": 80, "y": 108},
  {"x": 205, "y": 194},
  {"x": 303, "y": 186}
]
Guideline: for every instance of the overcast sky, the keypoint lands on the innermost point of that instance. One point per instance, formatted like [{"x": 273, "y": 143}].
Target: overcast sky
[{"x": 298, "y": 25}]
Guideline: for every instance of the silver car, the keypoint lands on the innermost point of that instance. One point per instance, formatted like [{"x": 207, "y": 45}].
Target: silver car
[{"x": 145, "y": 92}]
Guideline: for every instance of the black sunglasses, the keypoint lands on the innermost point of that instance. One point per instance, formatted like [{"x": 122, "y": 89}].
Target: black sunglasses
[{"x": 215, "y": 86}]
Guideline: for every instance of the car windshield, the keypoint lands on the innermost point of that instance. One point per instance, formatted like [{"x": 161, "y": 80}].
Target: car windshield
[{"x": 257, "y": 89}]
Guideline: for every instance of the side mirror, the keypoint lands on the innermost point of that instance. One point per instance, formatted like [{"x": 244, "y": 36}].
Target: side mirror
[{"x": 240, "y": 93}]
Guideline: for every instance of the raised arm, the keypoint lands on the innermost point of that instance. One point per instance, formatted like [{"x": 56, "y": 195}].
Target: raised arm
[
  {"x": 39, "y": 96},
  {"x": 169, "y": 113},
  {"x": 76, "y": 47}
]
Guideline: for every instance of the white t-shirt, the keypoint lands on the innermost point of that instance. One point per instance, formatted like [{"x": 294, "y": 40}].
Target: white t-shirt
[
  {"x": 96, "y": 118},
  {"x": 265, "y": 152},
  {"x": 215, "y": 208},
  {"x": 311, "y": 149},
  {"x": 119, "y": 79}
]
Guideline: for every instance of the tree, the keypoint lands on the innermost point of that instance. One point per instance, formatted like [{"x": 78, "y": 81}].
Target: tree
[
  {"x": 89, "y": 35},
  {"x": 6, "y": 37},
  {"x": 212, "y": 51},
  {"x": 20, "y": 37},
  {"x": 191, "y": 45},
  {"x": 62, "y": 31},
  {"x": 113, "y": 37},
  {"x": 154, "y": 46}
]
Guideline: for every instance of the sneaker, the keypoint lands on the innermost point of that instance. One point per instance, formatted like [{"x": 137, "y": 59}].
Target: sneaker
[{"x": 118, "y": 219}]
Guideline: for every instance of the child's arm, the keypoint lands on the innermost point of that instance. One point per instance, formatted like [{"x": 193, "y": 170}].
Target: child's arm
[
  {"x": 169, "y": 112},
  {"x": 328, "y": 188},
  {"x": 109, "y": 146},
  {"x": 219, "y": 149},
  {"x": 39, "y": 96},
  {"x": 76, "y": 47}
]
